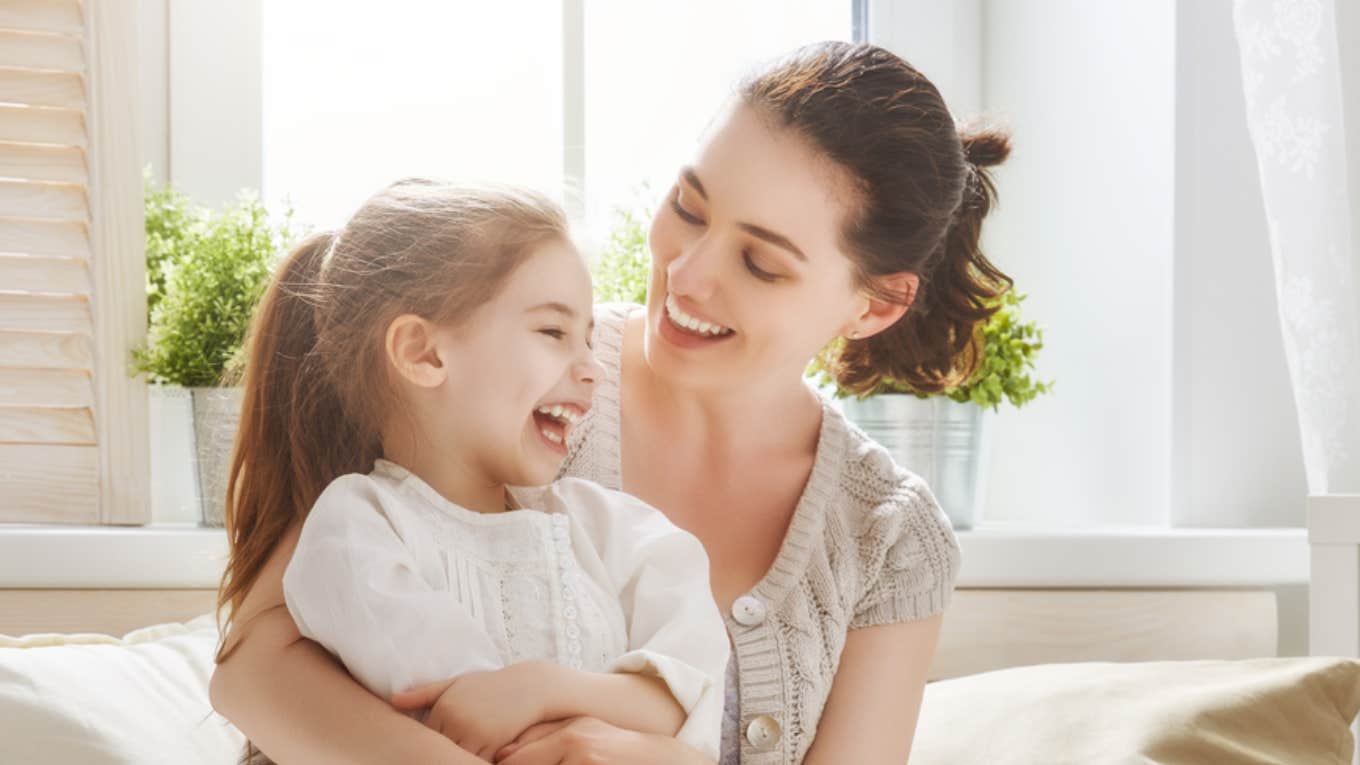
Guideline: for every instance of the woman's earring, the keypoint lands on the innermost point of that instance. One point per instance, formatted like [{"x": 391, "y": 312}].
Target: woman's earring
[{"x": 854, "y": 333}]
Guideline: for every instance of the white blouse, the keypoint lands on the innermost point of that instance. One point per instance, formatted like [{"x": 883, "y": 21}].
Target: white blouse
[{"x": 407, "y": 588}]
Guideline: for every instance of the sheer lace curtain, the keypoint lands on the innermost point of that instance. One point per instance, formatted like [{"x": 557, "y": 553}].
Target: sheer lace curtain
[{"x": 1291, "y": 75}]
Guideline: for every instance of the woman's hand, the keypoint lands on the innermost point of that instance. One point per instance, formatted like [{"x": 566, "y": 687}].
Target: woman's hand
[
  {"x": 482, "y": 712},
  {"x": 588, "y": 741}
]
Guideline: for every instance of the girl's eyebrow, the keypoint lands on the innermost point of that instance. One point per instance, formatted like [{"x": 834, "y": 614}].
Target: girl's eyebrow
[
  {"x": 555, "y": 306},
  {"x": 563, "y": 309},
  {"x": 760, "y": 232}
]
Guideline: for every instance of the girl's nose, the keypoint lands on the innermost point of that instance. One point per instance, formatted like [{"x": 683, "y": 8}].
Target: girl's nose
[{"x": 589, "y": 370}]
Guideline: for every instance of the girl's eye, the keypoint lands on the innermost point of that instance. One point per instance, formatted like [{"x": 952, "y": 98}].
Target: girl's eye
[
  {"x": 684, "y": 214},
  {"x": 554, "y": 333},
  {"x": 757, "y": 271}
]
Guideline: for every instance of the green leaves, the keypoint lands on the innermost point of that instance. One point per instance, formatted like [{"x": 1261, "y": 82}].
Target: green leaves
[
  {"x": 1009, "y": 350},
  {"x": 622, "y": 269},
  {"x": 210, "y": 270},
  {"x": 1004, "y": 371}
]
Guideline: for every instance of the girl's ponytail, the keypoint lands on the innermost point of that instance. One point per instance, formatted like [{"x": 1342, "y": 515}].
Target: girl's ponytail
[{"x": 294, "y": 437}]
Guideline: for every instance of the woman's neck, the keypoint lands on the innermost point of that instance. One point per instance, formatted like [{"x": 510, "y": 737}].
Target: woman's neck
[{"x": 780, "y": 416}]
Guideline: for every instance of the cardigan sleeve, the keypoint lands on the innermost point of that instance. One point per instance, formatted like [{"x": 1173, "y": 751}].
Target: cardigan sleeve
[
  {"x": 354, "y": 587},
  {"x": 660, "y": 573},
  {"x": 908, "y": 553}
]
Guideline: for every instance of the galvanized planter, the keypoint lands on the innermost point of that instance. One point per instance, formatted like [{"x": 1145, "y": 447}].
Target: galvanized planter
[
  {"x": 942, "y": 441},
  {"x": 193, "y": 430},
  {"x": 217, "y": 413}
]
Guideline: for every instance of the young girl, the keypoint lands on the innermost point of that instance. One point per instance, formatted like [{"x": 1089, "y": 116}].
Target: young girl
[{"x": 416, "y": 365}]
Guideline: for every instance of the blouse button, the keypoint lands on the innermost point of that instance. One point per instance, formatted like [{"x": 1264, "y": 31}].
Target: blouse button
[
  {"x": 763, "y": 732},
  {"x": 569, "y": 612},
  {"x": 748, "y": 611},
  {"x": 573, "y": 631}
]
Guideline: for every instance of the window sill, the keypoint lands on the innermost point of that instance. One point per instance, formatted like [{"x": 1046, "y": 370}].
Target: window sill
[{"x": 187, "y": 556}]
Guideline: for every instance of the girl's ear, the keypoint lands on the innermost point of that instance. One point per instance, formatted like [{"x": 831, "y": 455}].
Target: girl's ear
[
  {"x": 410, "y": 347},
  {"x": 877, "y": 314}
]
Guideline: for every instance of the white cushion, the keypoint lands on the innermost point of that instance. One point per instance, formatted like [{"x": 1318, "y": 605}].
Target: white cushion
[{"x": 97, "y": 700}]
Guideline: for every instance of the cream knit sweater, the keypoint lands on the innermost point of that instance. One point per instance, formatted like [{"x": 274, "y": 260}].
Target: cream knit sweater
[{"x": 868, "y": 544}]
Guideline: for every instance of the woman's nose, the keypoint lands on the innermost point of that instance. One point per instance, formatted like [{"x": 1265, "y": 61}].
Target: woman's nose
[{"x": 694, "y": 273}]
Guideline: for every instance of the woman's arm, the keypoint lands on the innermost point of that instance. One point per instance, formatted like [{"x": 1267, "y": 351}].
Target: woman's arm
[
  {"x": 297, "y": 704},
  {"x": 586, "y": 739},
  {"x": 876, "y": 695}
]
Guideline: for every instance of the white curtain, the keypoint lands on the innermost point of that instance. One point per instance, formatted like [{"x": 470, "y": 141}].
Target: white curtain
[{"x": 1292, "y": 80}]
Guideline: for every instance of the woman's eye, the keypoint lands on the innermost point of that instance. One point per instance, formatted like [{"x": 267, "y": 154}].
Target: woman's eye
[
  {"x": 684, "y": 214},
  {"x": 554, "y": 333},
  {"x": 757, "y": 271}
]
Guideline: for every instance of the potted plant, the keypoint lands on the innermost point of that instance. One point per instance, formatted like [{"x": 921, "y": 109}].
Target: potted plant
[
  {"x": 205, "y": 273},
  {"x": 943, "y": 437}
]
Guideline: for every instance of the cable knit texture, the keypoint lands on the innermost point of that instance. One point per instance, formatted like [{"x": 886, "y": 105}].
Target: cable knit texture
[{"x": 868, "y": 545}]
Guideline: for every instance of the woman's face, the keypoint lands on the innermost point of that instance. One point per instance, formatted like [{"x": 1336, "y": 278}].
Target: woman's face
[{"x": 748, "y": 275}]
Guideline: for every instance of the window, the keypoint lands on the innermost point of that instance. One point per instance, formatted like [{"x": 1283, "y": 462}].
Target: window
[{"x": 566, "y": 96}]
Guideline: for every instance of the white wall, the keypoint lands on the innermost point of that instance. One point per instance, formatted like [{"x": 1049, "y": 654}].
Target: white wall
[
  {"x": 942, "y": 40},
  {"x": 1237, "y": 458},
  {"x": 1085, "y": 226},
  {"x": 1348, "y": 43},
  {"x": 200, "y": 80}
]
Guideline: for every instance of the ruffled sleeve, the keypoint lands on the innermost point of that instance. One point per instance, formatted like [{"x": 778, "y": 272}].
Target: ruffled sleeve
[
  {"x": 354, "y": 587},
  {"x": 660, "y": 574}
]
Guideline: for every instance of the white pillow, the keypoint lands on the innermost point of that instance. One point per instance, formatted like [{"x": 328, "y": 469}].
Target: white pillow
[{"x": 100, "y": 700}]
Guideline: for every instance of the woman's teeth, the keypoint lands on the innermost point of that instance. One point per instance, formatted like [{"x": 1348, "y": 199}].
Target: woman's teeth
[{"x": 692, "y": 324}]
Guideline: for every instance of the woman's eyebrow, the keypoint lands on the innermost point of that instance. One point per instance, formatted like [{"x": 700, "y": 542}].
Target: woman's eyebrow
[
  {"x": 778, "y": 240},
  {"x": 760, "y": 232},
  {"x": 688, "y": 174}
]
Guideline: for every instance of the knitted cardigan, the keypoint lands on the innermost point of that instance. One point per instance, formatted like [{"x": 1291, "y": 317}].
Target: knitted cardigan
[{"x": 867, "y": 545}]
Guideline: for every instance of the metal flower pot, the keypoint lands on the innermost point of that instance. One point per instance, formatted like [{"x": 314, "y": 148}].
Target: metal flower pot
[
  {"x": 942, "y": 441},
  {"x": 217, "y": 413}
]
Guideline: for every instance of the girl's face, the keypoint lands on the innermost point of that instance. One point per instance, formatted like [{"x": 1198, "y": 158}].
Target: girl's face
[
  {"x": 521, "y": 370},
  {"x": 746, "y": 247}
]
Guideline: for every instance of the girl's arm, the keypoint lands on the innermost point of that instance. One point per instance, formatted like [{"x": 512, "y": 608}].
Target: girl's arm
[
  {"x": 552, "y": 692},
  {"x": 297, "y": 704},
  {"x": 634, "y": 702},
  {"x": 876, "y": 695}
]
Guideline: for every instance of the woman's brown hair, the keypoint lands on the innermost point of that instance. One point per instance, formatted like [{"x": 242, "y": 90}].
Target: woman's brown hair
[
  {"x": 316, "y": 386},
  {"x": 920, "y": 189}
]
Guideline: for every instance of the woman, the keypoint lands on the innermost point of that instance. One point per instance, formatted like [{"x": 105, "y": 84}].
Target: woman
[{"x": 834, "y": 200}]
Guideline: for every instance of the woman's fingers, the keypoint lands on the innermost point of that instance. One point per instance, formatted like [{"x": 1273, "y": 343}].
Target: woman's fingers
[
  {"x": 548, "y": 751},
  {"x": 530, "y": 735},
  {"x": 421, "y": 696}
]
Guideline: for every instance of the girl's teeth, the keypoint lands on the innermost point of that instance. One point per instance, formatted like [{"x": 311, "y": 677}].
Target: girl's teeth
[
  {"x": 551, "y": 436},
  {"x": 561, "y": 413}
]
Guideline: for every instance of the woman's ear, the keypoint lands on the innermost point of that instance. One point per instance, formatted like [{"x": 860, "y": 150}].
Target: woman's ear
[
  {"x": 878, "y": 314},
  {"x": 411, "y": 349}
]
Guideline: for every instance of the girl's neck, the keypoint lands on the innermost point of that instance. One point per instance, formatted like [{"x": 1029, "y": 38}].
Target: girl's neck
[{"x": 455, "y": 480}]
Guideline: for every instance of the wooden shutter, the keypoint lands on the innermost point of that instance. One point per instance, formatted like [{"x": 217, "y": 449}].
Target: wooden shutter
[{"x": 73, "y": 424}]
